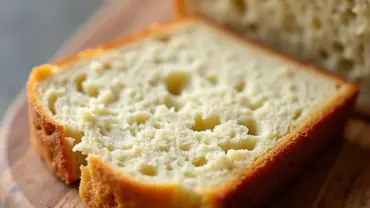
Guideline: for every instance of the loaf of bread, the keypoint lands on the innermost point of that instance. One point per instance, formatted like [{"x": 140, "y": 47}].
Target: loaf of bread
[
  {"x": 184, "y": 114},
  {"x": 333, "y": 34}
]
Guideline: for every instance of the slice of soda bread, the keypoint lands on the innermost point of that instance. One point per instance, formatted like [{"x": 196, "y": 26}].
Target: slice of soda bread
[{"x": 183, "y": 114}]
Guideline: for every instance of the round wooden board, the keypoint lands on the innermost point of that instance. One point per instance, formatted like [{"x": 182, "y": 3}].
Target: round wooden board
[{"x": 340, "y": 178}]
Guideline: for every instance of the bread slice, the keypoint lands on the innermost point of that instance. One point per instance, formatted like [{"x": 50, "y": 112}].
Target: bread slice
[
  {"x": 331, "y": 34},
  {"x": 183, "y": 114}
]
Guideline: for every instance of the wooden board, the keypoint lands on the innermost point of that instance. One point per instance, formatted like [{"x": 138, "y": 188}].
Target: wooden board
[{"x": 339, "y": 178}]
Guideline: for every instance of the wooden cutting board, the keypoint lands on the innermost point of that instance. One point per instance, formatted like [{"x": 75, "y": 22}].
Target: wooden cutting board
[{"x": 339, "y": 178}]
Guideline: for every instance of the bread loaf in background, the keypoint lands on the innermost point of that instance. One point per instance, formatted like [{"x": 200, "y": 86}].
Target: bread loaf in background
[{"x": 333, "y": 34}]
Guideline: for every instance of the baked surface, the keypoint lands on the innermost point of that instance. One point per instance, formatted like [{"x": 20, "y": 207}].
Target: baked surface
[{"x": 130, "y": 144}]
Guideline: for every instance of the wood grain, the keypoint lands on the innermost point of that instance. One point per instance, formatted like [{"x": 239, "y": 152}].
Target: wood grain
[{"x": 339, "y": 178}]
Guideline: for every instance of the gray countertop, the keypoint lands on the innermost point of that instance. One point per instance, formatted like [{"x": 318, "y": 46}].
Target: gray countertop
[{"x": 30, "y": 32}]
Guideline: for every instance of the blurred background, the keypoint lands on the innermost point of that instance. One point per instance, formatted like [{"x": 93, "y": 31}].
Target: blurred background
[{"x": 31, "y": 31}]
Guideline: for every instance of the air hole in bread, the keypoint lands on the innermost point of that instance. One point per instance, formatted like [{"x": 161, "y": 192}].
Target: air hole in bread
[
  {"x": 51, "y": 102},
  {"x": 48, "y": 128},
  {"x": 104, "y": 112},
  {"x": 75, "y": 134},
  {"x": 148, "y": 170},
  {"x": 239, "y": 87},
  {"x": 199, "y": 161},
  {"x": 133, "y": 132},
  {"x": 110, "y": 148},
  {"x": 361, "y": 49},
  {"x": 232, "y": 134},
  {"x": 245, "y": 144},
  {"x": 37, "y": 125},
  {"x": 290, "y": 24},
  {"x": 135, "y": 95},
  {"x": 316, "y": 23},
  {"x": 79, "y": 80},
  {"x": 294, "y": 98},
  {"x": 252, "y": 27},
  {"x": 303, "y": 134},
  {"x": 92, "y": 90},
  {"x": 345, "y": 65},
  {"x": 109, "y": 97},
  {"x": 163, "y": 148},
  {"x": 297, "y": 113},
  {"x": 239, "y": 6},
  {"x": 203, "y": 124},
  {"x": 213, "y": 79},
  {"x": 338, "y": 47},
  {"x": 107, "y": 65},
  {"x": 156, "y": 125},
  {"x": 105, "y": 130},
  {"x": 253, "y": 105},
  {"x": 164, "y": 38},
  {"x": 138, "y": 118},
  {"x": 338, "y": 86},
  {"x": 293, "y": 88},
  {"x": 117, "y": 87},
  {"x": 347, "y": 16},
  {"x": 189, "y": 174},
  {"x": 251, "y": 124},
  {"x": 169, "y": 167},
  {"x": 185, "y": 147},
  {"x": 176, "y": 81},
  {"x": 290, "y": 73},
  {"x": 323, "y": 54},
  {"x": 158, "y": 60},
  {"x": 170, "y": 102}
]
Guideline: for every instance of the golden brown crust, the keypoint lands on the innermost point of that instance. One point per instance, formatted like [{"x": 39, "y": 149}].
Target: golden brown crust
[
  {"x": 47, "y": 138},
  {"x": 101, "y": 186}
]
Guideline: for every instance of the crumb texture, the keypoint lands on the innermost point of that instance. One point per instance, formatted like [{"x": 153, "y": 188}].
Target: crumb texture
[
  {"x": 189, "y": 107},
  {"x": 334, "y": 34}
]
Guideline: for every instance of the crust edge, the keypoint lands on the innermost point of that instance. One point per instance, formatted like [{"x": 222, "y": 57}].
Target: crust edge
[{"x": 47, "y": 138}]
